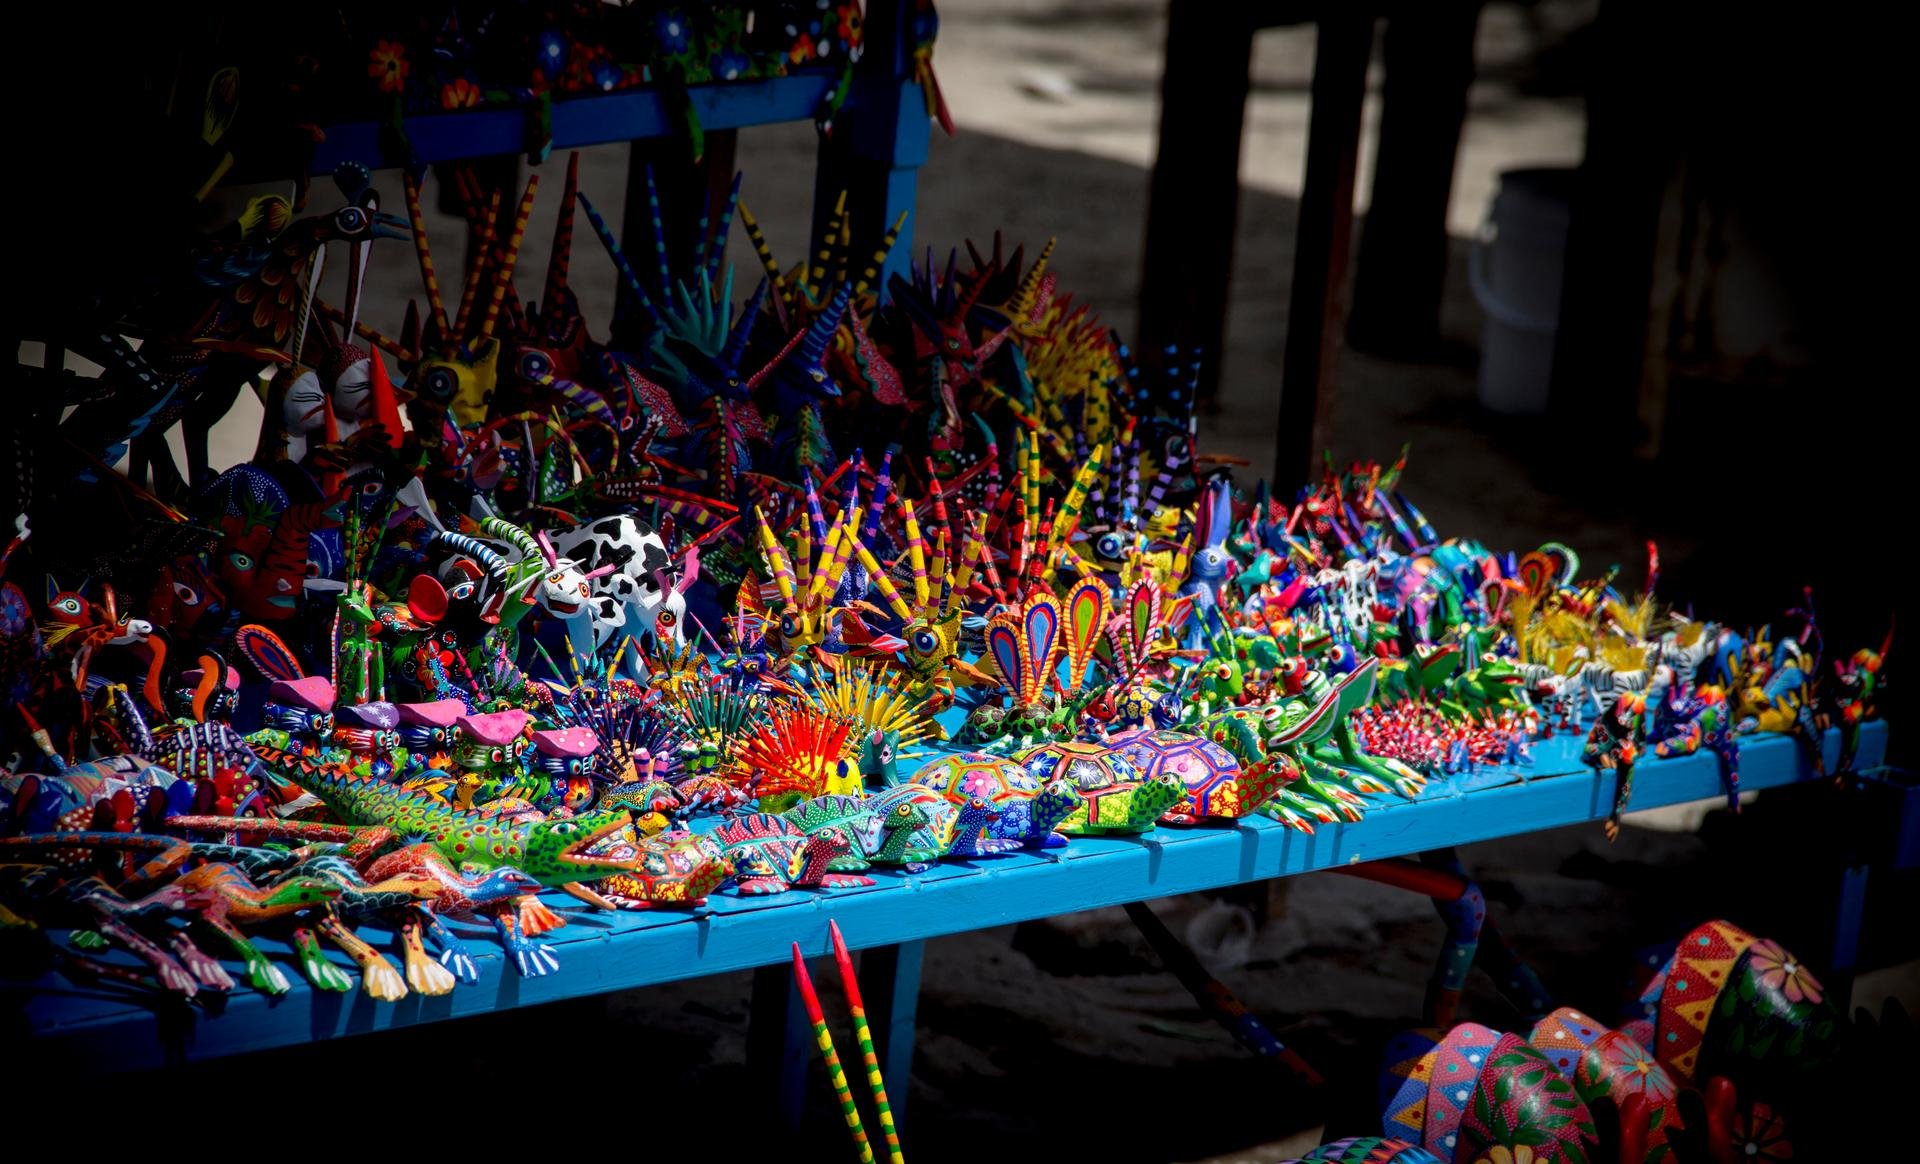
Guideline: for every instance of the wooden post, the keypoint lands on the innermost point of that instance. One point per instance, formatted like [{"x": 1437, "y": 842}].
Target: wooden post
[
  {"x": 890, "y": 983},
  {"x": 687, "y": 189},
  {"x": 779, "y": 1043},
  {"x": 1315, "y": 312},
  {"x": 1632, "y": 151},
  {"x": 1401, "y": 267},
  {"x": 1193, "y": 203},
  {"x": 878, "y": 144}
]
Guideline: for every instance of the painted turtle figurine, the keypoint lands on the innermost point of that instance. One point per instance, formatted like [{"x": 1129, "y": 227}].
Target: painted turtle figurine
[
  {"x": 676, "y": 868},
  {"x": 771, "y": 855},
  {"x": 1030, "y": 810},
  {"x": 1217, "y": 787},
  {"x": 1114, "y": 799}
]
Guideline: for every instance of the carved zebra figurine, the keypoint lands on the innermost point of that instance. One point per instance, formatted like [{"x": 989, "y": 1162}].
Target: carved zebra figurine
[
  {"x": 1687, "y": 661},
  {"x": 1600, "y": 686}
]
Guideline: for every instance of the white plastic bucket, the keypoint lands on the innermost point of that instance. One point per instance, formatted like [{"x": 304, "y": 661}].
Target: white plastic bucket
[{"x": 1517, "y": 268}]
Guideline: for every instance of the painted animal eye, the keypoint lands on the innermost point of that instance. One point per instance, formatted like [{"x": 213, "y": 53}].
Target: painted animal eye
[
  {"x": 350, "y": 220},
  {"x": 497, "y": 755},
  {"x": 186, "y": 594},
  {"x": 1108, "y": 546},
  {"x": 666, "y": 618},
  {"x": 953, "y": 345},
  {"x": 240, "y": 561},
  {"x": 534, "y": 365},
  {"x": 442, "y": 383},
  {"x": 924, "y": 642},
  {"x": 555, "y": 579}
]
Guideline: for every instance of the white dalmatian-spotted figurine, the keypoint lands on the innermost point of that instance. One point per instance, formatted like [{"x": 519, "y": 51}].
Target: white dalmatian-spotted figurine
[{"x": 640, "y": 596}]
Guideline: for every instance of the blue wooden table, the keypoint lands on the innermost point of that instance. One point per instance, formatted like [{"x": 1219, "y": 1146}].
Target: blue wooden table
[
  {"x": 874, "y": 153},
  {"x": 601, "y": 952}
]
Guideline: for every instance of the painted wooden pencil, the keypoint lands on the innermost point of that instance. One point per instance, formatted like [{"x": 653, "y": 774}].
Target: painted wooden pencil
[
  {"x": 851, "y": 982},
  {"x": 836, "y": 1074}
]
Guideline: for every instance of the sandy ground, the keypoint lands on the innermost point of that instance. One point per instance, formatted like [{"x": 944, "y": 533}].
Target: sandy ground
[{"x": 1067, "y": 1033}]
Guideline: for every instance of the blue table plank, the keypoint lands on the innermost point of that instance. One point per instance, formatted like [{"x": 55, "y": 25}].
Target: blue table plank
[
  {"x": 577, "y": 122},
  {"x": 603, "y": 952}
]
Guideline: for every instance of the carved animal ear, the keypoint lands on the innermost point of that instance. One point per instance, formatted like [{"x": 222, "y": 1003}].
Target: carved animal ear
[
  {"x": 1221, "y": 522},
  {"x": 1003, "y": 647},
  {"x": 1143, "y": 602},
  {"x": 1086, "y": 615},
  {"x": 1041, "y": 623},
  {"x": 54, "y": 589},
  {"x": 690, "y": 573}
]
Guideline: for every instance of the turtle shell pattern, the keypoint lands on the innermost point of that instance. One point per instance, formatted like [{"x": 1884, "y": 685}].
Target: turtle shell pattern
[
  {"x": 963, "y": 776},
  {"x": 854, "y": 815},
  {"x": 1089, "y": 766},
  {"x": 1114, "y": 797},
  {"x": 678, "y": 868},
  {"x": 1216, "y": 784}
]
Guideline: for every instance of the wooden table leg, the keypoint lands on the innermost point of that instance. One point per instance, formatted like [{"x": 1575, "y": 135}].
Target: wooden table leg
[
  {"x": 890, "y": 984},
  {"x": 1401, "y": 266},
  {"x": 1315, "y": 313},
  {"x": 779, "y": 1043},
  {"x": 687, "y": 189},
  {"x": 879, "y": 144},
  {"x": 1193, "y": 202}
]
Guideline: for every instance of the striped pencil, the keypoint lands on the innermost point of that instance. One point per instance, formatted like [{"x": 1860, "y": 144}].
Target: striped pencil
[
  {"x": 851, "y": 982},
  {"x": 836, "y": 1074}
]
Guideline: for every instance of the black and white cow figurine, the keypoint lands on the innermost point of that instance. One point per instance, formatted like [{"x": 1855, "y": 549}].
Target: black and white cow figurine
[{"x": 640, "y": 596}]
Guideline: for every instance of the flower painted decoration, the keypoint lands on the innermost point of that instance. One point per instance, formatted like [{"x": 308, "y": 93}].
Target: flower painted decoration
[
  {"x": 459, "y": 93},
  {"x": 388, "y": 66},
  {"x": 1761, "y": 1135},
  {"x": 1626, "y": 1061},
  {"x": 672, "y": 30},
  {"x": 1779, "y": 970}
]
